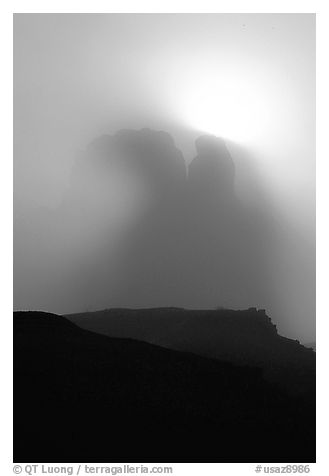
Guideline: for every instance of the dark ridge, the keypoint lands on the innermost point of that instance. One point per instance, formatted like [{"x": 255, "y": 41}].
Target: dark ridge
[
  {"x": 80, "y": 396},
  {"x": 243, "y": 337},
  {"x": 39, "y": 321}
]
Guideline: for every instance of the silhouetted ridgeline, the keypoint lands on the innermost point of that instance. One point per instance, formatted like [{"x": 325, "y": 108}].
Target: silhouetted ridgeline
[
  {"x": 81, "y": 396},
  {"x": 242, "y": 337}
]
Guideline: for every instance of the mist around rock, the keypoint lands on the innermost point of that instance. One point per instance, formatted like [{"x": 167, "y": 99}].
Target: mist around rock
[{"x": 138, "y": 228}]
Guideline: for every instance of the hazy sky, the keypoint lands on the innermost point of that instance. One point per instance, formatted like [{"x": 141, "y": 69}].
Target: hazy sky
[{"x": 249, "y": 78}]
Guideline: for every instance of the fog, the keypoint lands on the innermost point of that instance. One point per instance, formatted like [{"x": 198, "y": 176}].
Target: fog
[{"x": 84, "y": 224}]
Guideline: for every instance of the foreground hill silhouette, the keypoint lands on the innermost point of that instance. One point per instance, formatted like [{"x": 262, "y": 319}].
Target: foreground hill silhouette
[{"x": 80, "y": 396}]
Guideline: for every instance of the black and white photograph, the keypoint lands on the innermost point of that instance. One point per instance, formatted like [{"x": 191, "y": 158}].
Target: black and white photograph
[{"x": 164, "y": 240}]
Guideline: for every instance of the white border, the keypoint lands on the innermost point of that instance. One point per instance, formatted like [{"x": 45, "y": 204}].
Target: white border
[{"x": 321, "y": 8}]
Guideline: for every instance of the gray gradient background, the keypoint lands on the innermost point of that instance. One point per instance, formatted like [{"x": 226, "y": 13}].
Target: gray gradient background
[{"x": 78, "y": 76}]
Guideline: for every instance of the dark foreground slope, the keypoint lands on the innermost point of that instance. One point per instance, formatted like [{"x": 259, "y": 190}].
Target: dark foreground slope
[
  {"x": 79, "y": 396},
  {"x": 246, "y": 337}
]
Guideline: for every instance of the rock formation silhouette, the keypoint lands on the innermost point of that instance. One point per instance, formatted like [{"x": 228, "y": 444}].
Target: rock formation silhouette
[{"x": 137, "y": 228}]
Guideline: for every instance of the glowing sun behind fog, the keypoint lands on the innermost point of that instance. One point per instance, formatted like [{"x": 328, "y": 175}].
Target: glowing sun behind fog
[{"x": 236, "y": 107}]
